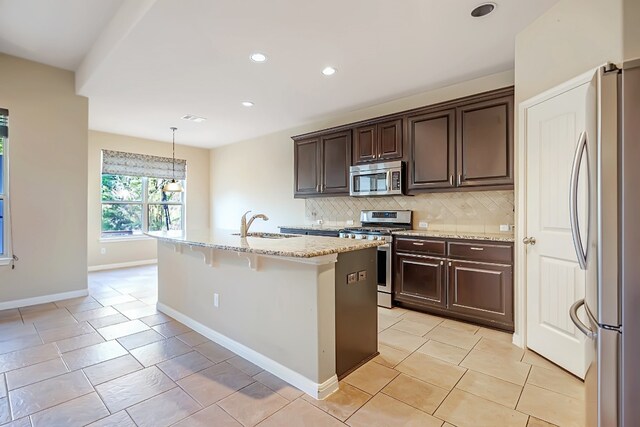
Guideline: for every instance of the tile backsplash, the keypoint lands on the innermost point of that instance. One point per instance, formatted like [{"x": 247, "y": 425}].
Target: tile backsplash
[{"x": 474, "y": 211}]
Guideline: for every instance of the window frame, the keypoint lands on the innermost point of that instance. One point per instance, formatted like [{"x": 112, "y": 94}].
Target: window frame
[{"x": 145, "y": 203}]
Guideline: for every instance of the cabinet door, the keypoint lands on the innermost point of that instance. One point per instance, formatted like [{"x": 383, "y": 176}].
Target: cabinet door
[
  {"x": 485, "y": 143},
  {"x": 365, "y": 147},
  {"x": 307, "y": 172},
  {"x": 420, "y": 280},
  {"x": 336, "y": 160},
  {"x": 484, "y": 291},
  {"x": 431, "y": 150},
  {"x": 390, "y": 139}
]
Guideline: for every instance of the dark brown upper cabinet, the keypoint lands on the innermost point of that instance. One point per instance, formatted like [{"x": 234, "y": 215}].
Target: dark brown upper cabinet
[
  {"x": 322, "y": 164},
  {"x": 307, "y": 173},
  {"x": 379, "y": 141},
  {"x": 431, "y": 150},
  {"x": 485, "y": 143},
  {"x": 336, "y": 160}
]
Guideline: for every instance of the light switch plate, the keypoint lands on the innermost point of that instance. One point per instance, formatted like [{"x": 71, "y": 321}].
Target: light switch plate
[
  {"x": 352, "y": 278},
  {"x": 319, "y": 221},
  {"x": 362, "y": 275},
  {"x": 505, "y": 227},
  {"x": 423, "y": 224}
]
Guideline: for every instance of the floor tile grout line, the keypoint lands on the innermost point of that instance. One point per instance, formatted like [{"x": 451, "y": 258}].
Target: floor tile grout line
[{"x": 61, "y": 403}]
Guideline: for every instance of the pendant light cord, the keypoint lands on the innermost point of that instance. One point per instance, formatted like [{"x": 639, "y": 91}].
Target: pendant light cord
[{"x": 173, "y": 153}]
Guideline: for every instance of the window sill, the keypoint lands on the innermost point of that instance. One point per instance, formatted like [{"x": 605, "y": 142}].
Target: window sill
[
  {"x": 123, "y": 239},
  {"x": 5, "y": 260}
]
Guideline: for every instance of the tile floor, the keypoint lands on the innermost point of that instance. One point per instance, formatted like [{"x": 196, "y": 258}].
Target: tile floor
[{"x": 110, "y": 359}]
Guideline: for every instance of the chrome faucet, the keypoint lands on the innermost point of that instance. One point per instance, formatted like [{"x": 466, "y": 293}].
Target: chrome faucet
[{"x": 244, "y": 224}]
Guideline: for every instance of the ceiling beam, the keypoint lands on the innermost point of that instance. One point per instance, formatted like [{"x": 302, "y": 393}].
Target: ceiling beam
[{"x": 116, "y": 31}]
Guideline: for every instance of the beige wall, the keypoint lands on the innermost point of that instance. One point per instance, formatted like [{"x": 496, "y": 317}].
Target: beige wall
[
  {"x": 258, "y": 174},
  {"x": 48, "y": 194},
  {"x": 631, "y": 27},
  {"x": 569, "y": 39},
  {"x": 197, "y": 208}
]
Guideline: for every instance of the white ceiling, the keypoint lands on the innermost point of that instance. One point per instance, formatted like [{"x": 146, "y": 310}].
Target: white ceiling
[{"x": 145, "y": 63}]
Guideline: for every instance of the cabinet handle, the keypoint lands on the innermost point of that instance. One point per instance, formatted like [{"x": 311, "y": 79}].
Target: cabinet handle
[
  {"x": 441, "y": 262},
  {"x": 459, "y": 178},
  {"x": 418, "y": 244},
  {"x": 317, "y": 188},
  {"x": 451, "y": 180},
  {"x": 449, "y": 263},
  {"x": 473, "y": 248}
]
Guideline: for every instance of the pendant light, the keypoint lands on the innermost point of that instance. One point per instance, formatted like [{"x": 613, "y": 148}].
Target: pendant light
[{"x": 173, "y": 186}]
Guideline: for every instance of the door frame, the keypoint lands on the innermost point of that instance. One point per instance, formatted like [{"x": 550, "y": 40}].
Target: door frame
[{"x": 520, "y": 250}]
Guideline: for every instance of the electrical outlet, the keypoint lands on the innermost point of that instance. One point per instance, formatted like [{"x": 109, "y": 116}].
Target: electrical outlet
[
  {"x": 350, "y": 222},
  {"x": 103, "y": 251},
  {"x": 216, "y": 300},
  {"x": 423, "y": 224},
  {"x": 362, "y": 275},
  {"x": 505, "y": 227},
  {"x": 319, "y": 221},
  {"x": 352, "y": 278}
]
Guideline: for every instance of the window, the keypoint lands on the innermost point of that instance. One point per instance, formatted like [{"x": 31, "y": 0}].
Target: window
[
  {"x": 132, "y": 198},
  {"x": 4, "y": 204},
  {"x": 132, "y": 205}
]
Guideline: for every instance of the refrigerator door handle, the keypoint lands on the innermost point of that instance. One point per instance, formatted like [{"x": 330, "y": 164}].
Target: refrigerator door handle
[
  {"x": 573, "y": 201},
  {"x": 573, "y": 313}
]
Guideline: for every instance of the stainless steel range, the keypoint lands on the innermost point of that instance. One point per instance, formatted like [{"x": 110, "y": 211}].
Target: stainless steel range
[{"x": 378, "y": 225}]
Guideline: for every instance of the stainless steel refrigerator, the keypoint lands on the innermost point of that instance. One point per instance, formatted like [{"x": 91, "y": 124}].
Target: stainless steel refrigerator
[{"x": 608, "y": 249}]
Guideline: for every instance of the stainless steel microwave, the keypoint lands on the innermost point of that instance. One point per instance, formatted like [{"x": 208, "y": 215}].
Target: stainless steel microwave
[{"x": 376, "y": 179}]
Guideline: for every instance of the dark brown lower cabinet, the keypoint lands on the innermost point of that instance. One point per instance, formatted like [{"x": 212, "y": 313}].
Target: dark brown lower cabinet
[
  {"x": 481, "y": 290},
  {"x": 421, "y": 280},
  {"x": 466, "y": 279}
]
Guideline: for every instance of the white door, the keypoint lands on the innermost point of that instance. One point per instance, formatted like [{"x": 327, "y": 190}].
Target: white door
[{"x": 554, "y": 278}]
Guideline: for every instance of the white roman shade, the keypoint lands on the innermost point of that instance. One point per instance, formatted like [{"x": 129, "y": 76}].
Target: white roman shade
[{"x": 121, "y": 163}]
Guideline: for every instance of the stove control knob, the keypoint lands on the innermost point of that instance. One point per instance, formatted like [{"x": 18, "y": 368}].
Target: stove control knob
[
  {"x": 352, "y": 236},
  {"x": 375, "y": 237}
]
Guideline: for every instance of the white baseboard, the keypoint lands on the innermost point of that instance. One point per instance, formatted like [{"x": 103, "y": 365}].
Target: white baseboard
[
  {"x": 122, "y": 265},
  {"x": 315, "y": 390},
  {"x": 517, "y": 340},
  {"x": 43, "y": 299}
]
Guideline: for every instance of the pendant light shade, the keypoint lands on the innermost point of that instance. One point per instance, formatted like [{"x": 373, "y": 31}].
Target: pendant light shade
[{"x": 173, "y": 186}]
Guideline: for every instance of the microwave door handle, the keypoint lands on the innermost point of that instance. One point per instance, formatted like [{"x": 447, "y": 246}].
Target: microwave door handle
[
  {"x": 389, "y": 180},
  {"x": 573, "y": 201}
]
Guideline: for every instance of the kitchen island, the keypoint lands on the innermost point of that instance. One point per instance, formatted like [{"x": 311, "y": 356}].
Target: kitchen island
[{"x": 301, "y": 307}]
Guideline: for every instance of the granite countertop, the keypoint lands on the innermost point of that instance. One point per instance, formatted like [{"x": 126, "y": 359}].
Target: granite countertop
[
  {"x": 473, "y": 235},
  {"x": 291, "y": 246},
  {"x": 315, "y": 227}
]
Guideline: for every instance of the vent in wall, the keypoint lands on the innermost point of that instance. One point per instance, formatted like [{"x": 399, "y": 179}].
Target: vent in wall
[{"x": 193, "y": 118}]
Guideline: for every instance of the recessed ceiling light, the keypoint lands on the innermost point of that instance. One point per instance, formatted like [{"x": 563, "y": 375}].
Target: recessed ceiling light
[
  {"x": 483, "y": 10},
  {"x": 247, "y": 103},
  {"x": 193, "y": 118},
  {"x": 329, "y": 71},
  {"x": 258, "y": 57}
]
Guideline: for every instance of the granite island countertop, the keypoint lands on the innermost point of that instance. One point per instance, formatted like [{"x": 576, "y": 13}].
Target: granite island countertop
[
  {"x": 291, "y": 246},
  {"x": 315, "y": 227},
  {"x": 471, "y": 235}
]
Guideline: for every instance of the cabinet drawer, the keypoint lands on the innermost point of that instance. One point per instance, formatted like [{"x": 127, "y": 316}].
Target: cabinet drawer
[
  {"x": 481, "y": 252},
  {"x": 432, "y": 247}
]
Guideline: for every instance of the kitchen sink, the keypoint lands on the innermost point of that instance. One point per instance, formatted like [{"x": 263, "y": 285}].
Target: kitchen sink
[{"x": 268, "y": 235}]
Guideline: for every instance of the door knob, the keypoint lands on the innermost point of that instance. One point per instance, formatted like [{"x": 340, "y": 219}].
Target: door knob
[{"x": 529, "y": 241}]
